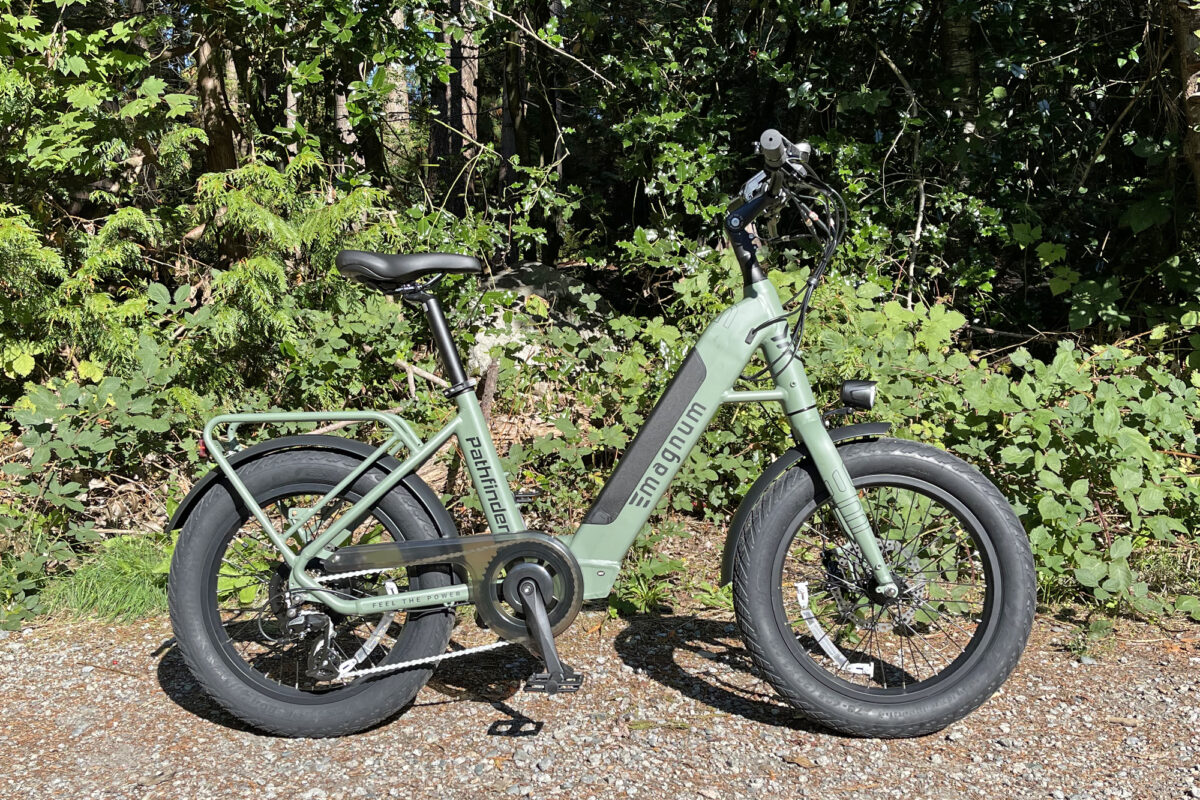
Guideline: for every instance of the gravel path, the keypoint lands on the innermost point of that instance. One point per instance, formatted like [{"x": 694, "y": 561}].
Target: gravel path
[{"x": 670, "y": 709}]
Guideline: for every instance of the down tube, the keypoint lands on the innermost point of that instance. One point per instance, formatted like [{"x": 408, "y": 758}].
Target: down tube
[{"x": 668, "y": 436}]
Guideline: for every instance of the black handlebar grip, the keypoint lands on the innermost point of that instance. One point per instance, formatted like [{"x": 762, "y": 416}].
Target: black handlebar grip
[{"x": 773, "y": 147}]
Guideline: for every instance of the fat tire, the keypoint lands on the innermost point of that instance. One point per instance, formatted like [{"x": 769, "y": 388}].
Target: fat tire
[
  {"x": 769, "y": 528},
  {"x": 217, "y": 516}
]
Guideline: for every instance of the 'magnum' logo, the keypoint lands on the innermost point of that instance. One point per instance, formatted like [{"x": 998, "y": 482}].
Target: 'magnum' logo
[
  {"x": 489, "y": 485},
  {"x": 671, "y": 454}
]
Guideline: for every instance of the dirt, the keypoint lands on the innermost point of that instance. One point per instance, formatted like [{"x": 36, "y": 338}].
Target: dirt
[{"x": 671, "y": 708}]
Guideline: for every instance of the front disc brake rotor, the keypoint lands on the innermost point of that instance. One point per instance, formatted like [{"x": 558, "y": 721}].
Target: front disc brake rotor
[{"x": 849, "y": 581}]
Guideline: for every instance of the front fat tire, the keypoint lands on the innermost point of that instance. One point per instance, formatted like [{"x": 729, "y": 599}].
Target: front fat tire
[
  {"x": 757, "y": 560},
  {"x": 216, "y": 517}
]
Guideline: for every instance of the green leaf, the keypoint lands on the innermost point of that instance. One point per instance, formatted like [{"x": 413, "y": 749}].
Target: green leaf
[
  {"x": 1121, "y": 548},
  {"x": 159, "y": 294},
  {"x": 152, "y": 87},
  {"x": 1091, "y": 574},
  {"x": 1151, "y": 499},
  {"x": 1120, "y": 577},
  {"x": 1025, "y": 235},
  {"x": 1187, "y": 604},
  {"x": 1050, "y": 509},
  {"x": 82, "y": 97},
  {"x": 90, "y": 371},
  {"x": 23, "y": 364},
  {"x": 1062, "y": 280},
  {"x": 179, "y": 105},
  {"x": 1148, "y": 213},
  {"x": 537, "y": 307},
  {"x": 1049, "y": 252}
]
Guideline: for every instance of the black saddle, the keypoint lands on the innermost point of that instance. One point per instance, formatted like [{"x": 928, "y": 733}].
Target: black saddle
[{"x": 388, "y": 272}]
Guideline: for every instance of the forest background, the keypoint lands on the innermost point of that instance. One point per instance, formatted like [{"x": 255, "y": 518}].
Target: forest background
[{"x": 1021, "y": 271}]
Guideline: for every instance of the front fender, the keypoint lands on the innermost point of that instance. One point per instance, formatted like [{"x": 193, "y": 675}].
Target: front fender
[
  {"x": 790, "y": 458},
  {"x": 418, "y": 488}
]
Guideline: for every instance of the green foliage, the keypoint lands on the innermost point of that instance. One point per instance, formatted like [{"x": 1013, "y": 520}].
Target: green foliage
[
  {"x": 645, "y": 585},
  {"x": 710, "y": 596},
  {"x": 123, "y": 580},
  {"x": 168, "y": 247},
  {"x": 1092, "y": 446}
]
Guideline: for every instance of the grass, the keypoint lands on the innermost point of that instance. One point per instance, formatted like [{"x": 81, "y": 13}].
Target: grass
[
  {"x": 1169, "y": 569},
  {"x": 124, "y": 580}
]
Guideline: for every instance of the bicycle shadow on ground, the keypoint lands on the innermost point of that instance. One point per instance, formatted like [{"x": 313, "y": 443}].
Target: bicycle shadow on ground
[
  {"x": 178, "y": 684},
  {"x": 487, "y": 677},
  {"x": 724, "y": 679},
  {"x": 491, "y": 678}
]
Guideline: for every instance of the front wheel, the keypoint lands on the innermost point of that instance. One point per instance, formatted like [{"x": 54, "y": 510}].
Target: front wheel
[{"x": 868, "y": 665}]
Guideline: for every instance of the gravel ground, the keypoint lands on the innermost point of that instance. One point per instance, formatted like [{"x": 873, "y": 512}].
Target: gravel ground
[{"x": 670, "y": 709}]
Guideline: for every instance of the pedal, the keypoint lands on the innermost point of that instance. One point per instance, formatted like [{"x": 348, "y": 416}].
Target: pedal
[
  {"x": 567, "y": 681},
  {"x": 558, "y": 677},
  {"x": 526, "y": 496}
]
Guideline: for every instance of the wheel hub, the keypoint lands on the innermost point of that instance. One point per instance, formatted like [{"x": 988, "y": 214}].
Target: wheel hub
[{"x": 849, "y": 581}]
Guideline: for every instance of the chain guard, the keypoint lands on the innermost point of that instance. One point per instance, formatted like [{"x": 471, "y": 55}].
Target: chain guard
[{"x": 481, "y": 561}]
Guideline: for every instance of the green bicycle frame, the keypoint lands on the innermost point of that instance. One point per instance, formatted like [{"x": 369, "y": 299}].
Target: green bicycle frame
[{"x": 645, "y": 471}]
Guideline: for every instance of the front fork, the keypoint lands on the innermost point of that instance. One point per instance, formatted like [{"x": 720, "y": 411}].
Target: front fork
[{"x": 809, "y": 428}]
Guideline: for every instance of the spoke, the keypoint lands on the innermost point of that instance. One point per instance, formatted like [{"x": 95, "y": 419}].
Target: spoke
[
  {"x": 938, "y": 557},
  {"x": 914, "y": 652},
  {"x": 937, "y": 617},
  {"x": 912, "y": 645}
]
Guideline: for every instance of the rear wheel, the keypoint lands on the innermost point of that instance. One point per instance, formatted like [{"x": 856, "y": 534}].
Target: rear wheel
[
  {"x": 869, "y": 665},
  {"x": 270, "y": 657}
]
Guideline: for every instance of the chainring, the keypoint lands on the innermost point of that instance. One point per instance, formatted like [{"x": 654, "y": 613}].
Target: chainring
[{"x": 561, "y": 607}]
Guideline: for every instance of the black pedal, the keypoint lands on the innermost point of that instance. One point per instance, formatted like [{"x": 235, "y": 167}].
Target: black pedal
[
  {"x": 526, "y": 496},
  {"x": 567, "y": 681}
]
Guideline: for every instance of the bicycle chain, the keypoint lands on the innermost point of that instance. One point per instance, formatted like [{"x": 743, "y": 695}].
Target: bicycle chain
[{"x": 416, "y": 662}]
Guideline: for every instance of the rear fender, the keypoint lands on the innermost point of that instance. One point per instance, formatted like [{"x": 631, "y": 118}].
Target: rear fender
[
  {"x": 791, "y": 458},
  {"x": 420, "y": 490}
]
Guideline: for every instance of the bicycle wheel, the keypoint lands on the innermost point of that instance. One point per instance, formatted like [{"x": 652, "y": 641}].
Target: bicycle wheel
[
  {"x": 271, "y": 657},
  {"x": 869, "y": 665}
]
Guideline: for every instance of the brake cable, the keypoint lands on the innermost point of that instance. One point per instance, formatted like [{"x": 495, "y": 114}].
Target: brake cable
[{"x": 832, "y": 234}]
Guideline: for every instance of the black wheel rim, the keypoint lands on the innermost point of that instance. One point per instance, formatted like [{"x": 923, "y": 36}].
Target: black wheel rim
[{"x": 936, "y": 630}]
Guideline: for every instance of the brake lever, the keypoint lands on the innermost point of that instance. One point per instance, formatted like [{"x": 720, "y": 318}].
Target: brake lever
[{"x": 755, "y": 186}]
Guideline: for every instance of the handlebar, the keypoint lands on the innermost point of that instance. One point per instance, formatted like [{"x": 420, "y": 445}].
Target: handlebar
[
  {"x": 778, "y": 151},
  {"x": 785, "y": 180}
]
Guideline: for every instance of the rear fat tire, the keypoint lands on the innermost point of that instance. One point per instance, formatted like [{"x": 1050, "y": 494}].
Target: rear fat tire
[
  {"x": 758, "y": 561},
  {"x": 205, "y": 647}
]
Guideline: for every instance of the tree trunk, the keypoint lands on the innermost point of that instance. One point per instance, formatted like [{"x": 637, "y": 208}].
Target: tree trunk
[
  {"x": 469, "y": 88},
  {"x": 454, "y": 89},
  {"x": 395, "y": 108},
  {"x": 514, "y": 140},
  {"x": 291, "y": 109},
  {"x": 1185, "y": 18},
  {"x": 551, "y": 142},
  {"x": 341, "y": 118},
  {"x": 216, "y": 118},
  {"x": 441, "y": 136},
  {"x": 959, "y": 58}
]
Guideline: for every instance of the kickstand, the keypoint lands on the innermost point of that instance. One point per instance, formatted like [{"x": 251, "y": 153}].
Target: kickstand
[{"x": 558, "y": 677}]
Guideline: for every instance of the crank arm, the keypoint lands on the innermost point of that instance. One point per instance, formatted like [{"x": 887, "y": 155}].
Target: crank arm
[{"x": 558, "y": 677}]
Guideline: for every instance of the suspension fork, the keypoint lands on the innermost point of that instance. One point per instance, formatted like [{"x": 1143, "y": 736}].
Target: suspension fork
[{"x": 809, "y": 429}]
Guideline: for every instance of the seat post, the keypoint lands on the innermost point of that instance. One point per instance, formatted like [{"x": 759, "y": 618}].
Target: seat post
[{"x": 445, "y": 345}]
